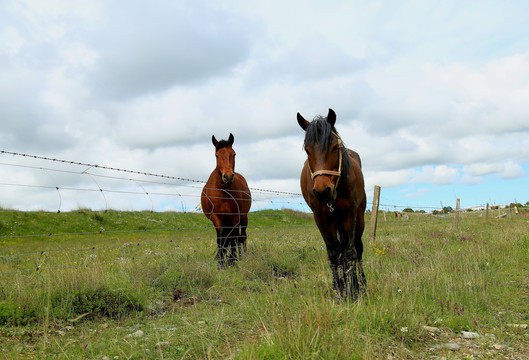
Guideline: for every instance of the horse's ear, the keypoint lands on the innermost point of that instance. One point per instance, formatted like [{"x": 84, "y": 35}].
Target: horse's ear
[
  {"x": 302, "y": 122},
  {"x": 214, "y": 141},
  {"x": 331, "y": 117},
  {"x": 231, "y": 139}
]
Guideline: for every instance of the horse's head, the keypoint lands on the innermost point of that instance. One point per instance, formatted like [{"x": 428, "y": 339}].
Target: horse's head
[
  {"x": 324, "y": 152},
  {"x": 225, "y": 158}
]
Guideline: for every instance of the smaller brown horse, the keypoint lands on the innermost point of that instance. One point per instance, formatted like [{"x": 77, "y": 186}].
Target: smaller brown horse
[
  {"x": 332, "y": 184},
  {"x": 226, "y": 201}
]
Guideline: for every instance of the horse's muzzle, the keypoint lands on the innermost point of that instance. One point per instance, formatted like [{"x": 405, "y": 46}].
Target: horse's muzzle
[
  {"x": 228, "y": 179},
  {"x": 324, "y": 195}
]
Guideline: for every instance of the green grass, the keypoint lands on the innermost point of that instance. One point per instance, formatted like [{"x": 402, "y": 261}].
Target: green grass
[{"x": 141, "y": 285}]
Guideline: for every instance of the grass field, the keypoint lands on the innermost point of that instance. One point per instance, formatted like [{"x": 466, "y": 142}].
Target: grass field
[{"x": 141, "y": 285}]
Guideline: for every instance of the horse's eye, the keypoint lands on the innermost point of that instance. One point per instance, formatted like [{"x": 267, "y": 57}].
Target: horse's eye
[{"x": 335, "y": 148}]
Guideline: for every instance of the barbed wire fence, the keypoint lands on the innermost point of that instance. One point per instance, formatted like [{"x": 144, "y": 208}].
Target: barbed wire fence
[{"x": 103, "y": 190}]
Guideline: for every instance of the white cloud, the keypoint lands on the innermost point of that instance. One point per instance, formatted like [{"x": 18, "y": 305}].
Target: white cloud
[
  {"x": 438, "y": 175},
  {"x": 387, "y": 178},
  {"x": 424, "y": 93},
  {"x": 419, "y": 193},
  {"x": 468, "y": 179},
  {"x": 512, "y": 170},
  {"x": 11, "y": 41},
  {"x": 480, "y": 169}
]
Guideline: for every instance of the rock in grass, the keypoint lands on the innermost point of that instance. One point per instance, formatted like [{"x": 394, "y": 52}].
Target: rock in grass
[
  {"x": 432, "y": 329},
  {"x": 138, "y": 334},
  {"x": 469, "y": 335},
  {"x": 519, "y": 326},
  {"x": 448, "y": 346},
  {"x": 452, "y": 346}
]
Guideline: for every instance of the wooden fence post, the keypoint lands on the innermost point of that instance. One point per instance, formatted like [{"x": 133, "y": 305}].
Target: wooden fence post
[
  {"x": 457, "y": 214},
  {"x": 487, "y": 213},
  {"x": 374, "y": 212}
]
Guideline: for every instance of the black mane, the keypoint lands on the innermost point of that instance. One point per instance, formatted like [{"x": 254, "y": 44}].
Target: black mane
[{"x": 319, "y": 135}]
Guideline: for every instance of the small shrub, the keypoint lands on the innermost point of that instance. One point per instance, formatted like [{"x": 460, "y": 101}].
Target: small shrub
[
  {"x": 13, "y": 314},
  {"x": 100, "y": 219},
  {"x": 99, "y": 302}
]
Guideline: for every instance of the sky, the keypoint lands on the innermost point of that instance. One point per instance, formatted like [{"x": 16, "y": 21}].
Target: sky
[{"x": 434, "y": 96}]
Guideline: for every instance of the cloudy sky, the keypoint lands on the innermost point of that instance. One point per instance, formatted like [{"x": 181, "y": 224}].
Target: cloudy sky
[{"x": 433, "y": 95}]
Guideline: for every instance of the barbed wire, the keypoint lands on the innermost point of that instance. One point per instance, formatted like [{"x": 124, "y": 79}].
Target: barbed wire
[
  {"x": 96, "y": 166},
  {"x": 92, "y": 175},
  {"x": 395, "y": 206},
  {"x": 88, "y": 165}
]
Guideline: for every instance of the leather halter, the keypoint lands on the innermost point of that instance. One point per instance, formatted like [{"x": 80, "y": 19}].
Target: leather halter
[{"x": 331, "y": 172}]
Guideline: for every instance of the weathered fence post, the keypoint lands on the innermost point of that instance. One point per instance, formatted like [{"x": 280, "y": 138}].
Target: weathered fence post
[
  {"x": 487, "y": 213},
  {"x": 457, "y": 214},
  {"x": 374, "y": 212}
]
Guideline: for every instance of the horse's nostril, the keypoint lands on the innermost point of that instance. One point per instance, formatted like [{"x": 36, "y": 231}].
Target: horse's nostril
[{"x": 322, "y": 195}]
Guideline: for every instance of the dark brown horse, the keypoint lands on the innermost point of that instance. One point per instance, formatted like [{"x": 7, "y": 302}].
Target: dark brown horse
[
  {"x": 332, "y": 184},
  {"x": 226, "y": 201}
]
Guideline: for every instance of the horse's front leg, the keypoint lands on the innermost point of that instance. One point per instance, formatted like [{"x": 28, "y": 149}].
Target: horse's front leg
[
  {"x": 221, "y": 240},
  {"x": 337, "y": 269},
  {"x": 359, "y": 246},
  {"x": 221, "y": 248},
  {"x": 334, "y": 253},
  {"x": 351, "y": 288},
  {"x": 241, "y": 243},
  {"x": 233, "y": 238}
]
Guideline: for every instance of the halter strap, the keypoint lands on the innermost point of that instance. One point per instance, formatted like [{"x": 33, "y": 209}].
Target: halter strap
[{"x": 331, "y": 172}]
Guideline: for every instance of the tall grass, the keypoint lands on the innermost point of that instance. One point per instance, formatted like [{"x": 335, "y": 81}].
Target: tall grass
[{"x": 275, "y": 304}]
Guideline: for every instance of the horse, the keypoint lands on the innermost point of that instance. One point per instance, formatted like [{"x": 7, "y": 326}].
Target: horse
[
  {"x": 332, "y": 185},
  {"x": 226, "y": 201}
]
